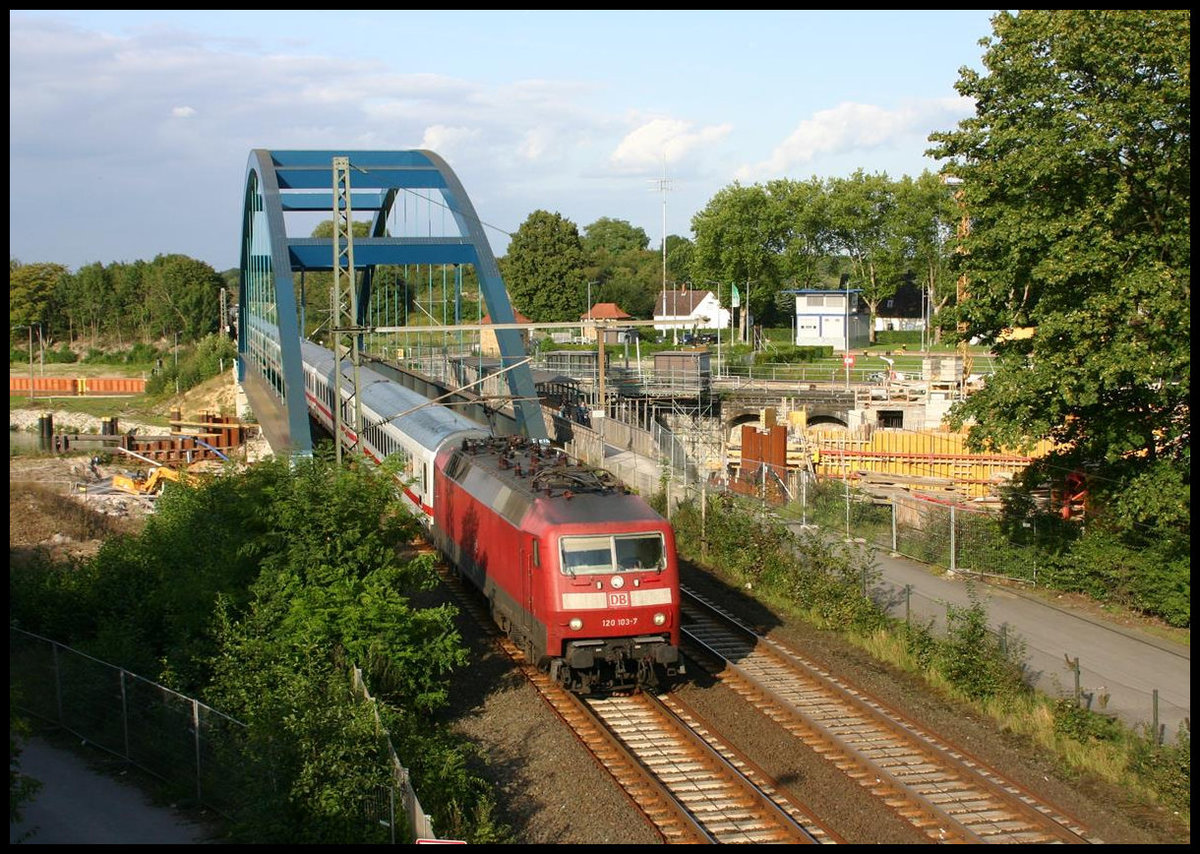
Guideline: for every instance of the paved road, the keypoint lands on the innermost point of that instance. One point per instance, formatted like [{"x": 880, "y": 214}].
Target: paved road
[
  {"x": 1120, "y": 667},
  {"x": 78, "y": 805}
]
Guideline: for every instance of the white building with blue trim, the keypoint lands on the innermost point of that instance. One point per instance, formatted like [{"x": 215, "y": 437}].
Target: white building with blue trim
[{"x": 831, "y": 318}]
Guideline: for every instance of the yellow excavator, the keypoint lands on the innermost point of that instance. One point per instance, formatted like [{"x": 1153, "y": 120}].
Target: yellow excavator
[{"x": 149, "y": 484}]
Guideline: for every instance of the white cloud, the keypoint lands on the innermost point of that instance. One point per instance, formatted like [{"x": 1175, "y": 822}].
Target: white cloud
[
  {"x": 447, "y": 141},
  {"x": 855, "y": 128},
  {"x": 183, "y": 112},
  {"x": 646, "y": 147}
]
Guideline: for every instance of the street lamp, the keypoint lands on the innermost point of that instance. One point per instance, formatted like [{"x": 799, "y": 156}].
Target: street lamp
[
  {"x": 846, "y": 325},
  {"x": 30, "y": 328},
  {"x": 589, "y": 311},
  {"x": 674, "y": 310}
]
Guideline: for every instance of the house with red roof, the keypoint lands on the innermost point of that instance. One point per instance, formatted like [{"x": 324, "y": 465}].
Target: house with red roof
[{"x": 607, "y": 316}]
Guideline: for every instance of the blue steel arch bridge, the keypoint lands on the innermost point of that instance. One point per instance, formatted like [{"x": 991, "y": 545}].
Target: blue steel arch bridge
[{"x": 410, "y": 223}]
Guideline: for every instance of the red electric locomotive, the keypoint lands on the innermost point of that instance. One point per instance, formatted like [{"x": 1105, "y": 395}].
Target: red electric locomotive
[{"x": 578, "y": 571}]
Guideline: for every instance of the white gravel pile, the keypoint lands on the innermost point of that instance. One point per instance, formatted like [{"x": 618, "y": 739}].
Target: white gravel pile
[{"x": 73, "y": 422}]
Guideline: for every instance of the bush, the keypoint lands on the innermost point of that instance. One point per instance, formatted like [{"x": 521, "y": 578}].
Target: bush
[
  {"x": 1168, "y": 768},
  {"x": 791, "y": 354}
]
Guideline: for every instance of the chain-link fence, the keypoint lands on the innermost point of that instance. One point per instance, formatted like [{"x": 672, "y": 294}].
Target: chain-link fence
[{"x": 195, "y": 750}]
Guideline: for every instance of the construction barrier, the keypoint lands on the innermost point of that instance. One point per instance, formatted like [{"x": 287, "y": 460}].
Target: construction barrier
[
  {"x": 75, "y": 386},
  {"x": 929, "y": 456}
]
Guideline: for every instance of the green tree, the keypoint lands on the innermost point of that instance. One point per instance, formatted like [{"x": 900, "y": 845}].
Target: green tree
[
  {"x": 544, "y": 268},
  {"x": 864, "y": 228},
  {"x": 83, "y": 299},
  {"x": 127, "y": 315},
  {"x": 680, "y": 254},
  {"x": 32, "y": 293},
  {"x": 802, "y": 213},
  {"x": 614, "y": 236},
  {"x": 182, "y": 295},
  {"x": 739, "y": 240},
  {"x": 1076, "y": 174},
  {"x": 926, "y": 217}
]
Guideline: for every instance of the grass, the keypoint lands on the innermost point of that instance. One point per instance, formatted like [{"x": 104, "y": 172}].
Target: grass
[{"x": 1111, "y": 753}]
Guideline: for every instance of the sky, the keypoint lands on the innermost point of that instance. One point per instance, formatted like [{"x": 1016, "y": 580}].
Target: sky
[{"x": 130, "y": 131}]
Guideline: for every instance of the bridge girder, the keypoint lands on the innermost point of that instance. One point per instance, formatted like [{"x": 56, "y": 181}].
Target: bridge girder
[{"x": 281, "y": 182}]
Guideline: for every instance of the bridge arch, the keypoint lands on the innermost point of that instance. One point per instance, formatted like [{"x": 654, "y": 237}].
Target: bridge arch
[{"x": 283, "y": 186}]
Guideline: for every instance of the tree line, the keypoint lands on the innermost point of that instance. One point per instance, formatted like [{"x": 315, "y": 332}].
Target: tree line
[
  {"x": 867, "y": 232},
  {"x": 120, "y": 304}
]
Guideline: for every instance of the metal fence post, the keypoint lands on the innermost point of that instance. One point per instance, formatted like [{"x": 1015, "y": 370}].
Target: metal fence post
[
  {"x": 893, "y": 525},
  {"x": 953, "y": 565},
  {"x": 124, "y": 714},
  {"x": 57, "y": 681},
  {"x": 196, "y": 727}
]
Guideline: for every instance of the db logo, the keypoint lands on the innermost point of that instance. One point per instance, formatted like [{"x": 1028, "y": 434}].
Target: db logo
[{"x": 618, "y": 600}]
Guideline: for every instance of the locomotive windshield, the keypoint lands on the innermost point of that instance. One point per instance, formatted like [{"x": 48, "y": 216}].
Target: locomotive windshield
[{"x": 612, "y": 553}]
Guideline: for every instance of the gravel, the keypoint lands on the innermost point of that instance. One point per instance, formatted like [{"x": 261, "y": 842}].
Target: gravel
[{"x": 551, "y": 790}]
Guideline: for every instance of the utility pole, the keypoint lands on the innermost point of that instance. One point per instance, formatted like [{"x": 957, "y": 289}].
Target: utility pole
[
  {"x": 664, "y": 187},
  {"x": 31, "y": 363},
  {"x": 344, "y": 324},
  {"x": 603, "y": 408}
]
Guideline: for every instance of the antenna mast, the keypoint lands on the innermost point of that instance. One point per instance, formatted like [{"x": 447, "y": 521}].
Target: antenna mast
[{"x": 664, "y": 187}]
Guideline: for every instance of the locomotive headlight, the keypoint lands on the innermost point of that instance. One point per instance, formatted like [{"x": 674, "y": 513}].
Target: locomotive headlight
[
  {"x": 660, "y": 619},
  {"x": 576, "y": 624}
]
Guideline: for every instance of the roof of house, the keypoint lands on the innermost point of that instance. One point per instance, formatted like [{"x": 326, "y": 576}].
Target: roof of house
[
  {"x": 606, "y": 311},
  {"x": 678, "y": 303}
]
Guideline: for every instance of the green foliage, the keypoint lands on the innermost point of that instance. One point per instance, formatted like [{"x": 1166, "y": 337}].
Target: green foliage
[
  {"x": 1152, "y": 577},
  {"x": 463, "y": 803},
  {"x": 31, "y": 295},
  {"x": 790, "y": 234},
  {"x": 544, "y": 268},
  {"x": 299, "y": 577},
  {"x": 972, "y": 658},
  {"x": 1076, "y": 176},
  {"x": 823, "y": 578},
  {"x": 196, "y": 364},
  {"x": 865, "y": 228},
  {"x": 613, "y": 236},
  {"x": 791, "y": 354},
  {"x": 1167, "y": 768},
  {"x": 312, "y": 760},
  {"x": 119, "y": 303},
  {"x": 1078, "y": 723}
]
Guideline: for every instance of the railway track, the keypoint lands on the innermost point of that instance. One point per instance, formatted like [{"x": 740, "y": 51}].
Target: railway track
[
  {"x": 690, "y": 785},
  {"x": 936, "y": 787}
]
